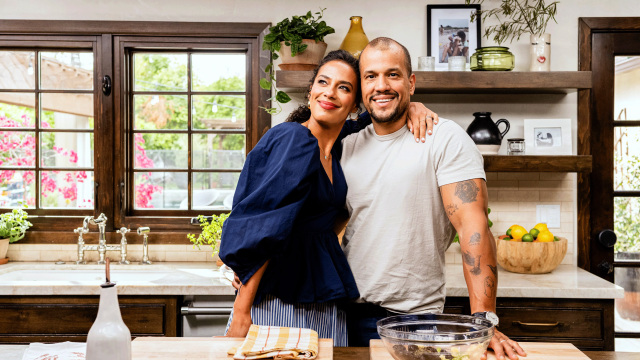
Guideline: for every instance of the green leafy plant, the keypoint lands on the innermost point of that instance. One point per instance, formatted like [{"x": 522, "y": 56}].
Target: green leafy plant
[
  {"x": 14, "y": 225},
  {"x": 291, "y": 32},
  {"x": 211, "y": 232},
  {"x": 457, "y": 238},
  {"x": 516, "y": 17}
]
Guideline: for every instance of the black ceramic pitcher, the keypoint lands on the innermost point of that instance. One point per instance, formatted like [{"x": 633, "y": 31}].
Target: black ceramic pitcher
[{"x": 484, "y": 131}]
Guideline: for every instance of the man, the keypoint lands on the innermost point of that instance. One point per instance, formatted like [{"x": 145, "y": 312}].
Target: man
[{"x": 406, "y": 201}]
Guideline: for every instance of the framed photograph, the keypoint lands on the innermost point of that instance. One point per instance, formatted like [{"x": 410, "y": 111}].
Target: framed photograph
[
  {"x": 547, "y": 136},
  {"x": 450, "y": 32}
]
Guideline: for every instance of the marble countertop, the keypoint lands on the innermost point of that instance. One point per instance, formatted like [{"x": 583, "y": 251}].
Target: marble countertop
[{"x": 194, "y": 278}]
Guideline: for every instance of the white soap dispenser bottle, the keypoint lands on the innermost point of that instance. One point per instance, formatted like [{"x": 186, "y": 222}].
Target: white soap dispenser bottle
[{"x": 109, "y": 338}]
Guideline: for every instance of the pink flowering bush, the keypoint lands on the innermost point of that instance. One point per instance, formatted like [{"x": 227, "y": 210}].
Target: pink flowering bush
[
  {"x": 18, "y": 148},
  {"x": 144, "y": 189}
]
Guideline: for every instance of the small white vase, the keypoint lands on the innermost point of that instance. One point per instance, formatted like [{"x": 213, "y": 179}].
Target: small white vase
[
  {"x": 109, "y": 338},
  {"x": 540, "y": 52}
]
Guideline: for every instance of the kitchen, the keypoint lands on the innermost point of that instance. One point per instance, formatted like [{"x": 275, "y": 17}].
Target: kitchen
[{"x": 514, "y": 193}]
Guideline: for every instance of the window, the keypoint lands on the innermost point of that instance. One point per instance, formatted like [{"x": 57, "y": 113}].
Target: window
[{"x": 168, "y": 142}]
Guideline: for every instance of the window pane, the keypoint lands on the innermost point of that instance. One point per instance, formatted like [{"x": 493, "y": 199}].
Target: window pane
[
  {"x": 66, "y": 70},
  {"x": 17, "y": 188},
  {"x": 627, "y": 158},
  {"x": 214, "y": 191},
  {"x": 161, "y": 151},
  {"x": 219, "y": 111},
  {"x": 17, "y": 110},
  {"x": 66, "y": 149},
  {"x": 66, "y": 111},
  {"x": 628, "y": 308},
  {"x": 160, "y": 112},
  {"x": 627, "y": 345},
  {"x": 17, "y": 70},
  {"x": 627, "y": 225},
  {"x": 218, "y": 151},
  {"x": 160, "y": 72},
  {"x": 218, "y": 72},
  {"x": 66, "y": 189},
  {"x": 160, "y": 190},
  {"x": 17, "y": 149}
]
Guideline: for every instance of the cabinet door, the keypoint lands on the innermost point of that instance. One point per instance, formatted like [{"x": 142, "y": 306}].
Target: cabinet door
[{"x": 69, "y": 318}]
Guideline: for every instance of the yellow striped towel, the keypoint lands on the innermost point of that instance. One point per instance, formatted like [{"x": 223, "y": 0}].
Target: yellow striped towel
[{"x": 264, "y": 342}]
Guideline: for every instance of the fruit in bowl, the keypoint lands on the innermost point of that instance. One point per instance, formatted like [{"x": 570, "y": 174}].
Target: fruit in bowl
[
  {"x": 536, "y": 251},
  {"x": 435, "y": 336}
]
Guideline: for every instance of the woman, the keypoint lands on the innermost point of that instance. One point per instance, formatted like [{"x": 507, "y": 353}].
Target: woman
[{"x": 279, "y": 238}]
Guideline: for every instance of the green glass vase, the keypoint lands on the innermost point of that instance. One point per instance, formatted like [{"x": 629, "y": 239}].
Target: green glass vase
[{"x": 492, "y": 58}]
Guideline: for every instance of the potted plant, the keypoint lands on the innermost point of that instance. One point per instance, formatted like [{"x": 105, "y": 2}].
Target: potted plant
[
  {"x": 518, "y": 17},
  {"x": 211, "y": 232},
  {"x": 13, "y": 226},
  {"x": 299, "y": 41}
]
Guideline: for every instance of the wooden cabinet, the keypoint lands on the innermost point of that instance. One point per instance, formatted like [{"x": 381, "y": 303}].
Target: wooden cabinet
[
  {"x": 586, "y": 323},
  {"x": 26, "y": 319}
]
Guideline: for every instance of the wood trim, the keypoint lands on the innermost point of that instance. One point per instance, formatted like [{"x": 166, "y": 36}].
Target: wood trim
[
  {"x": 569, "y": 163},
  {"x": 157, "y": 28},
  {"x": 609, "y": 24}
]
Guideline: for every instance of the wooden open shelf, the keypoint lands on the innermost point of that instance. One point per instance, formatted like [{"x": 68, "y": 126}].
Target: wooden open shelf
[
  {"x": 538, "y": 163},
  {"x": 470, "y": 82}
]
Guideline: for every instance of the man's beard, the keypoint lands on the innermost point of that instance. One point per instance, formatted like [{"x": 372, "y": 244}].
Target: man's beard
[{"x": 397, "y": 114}]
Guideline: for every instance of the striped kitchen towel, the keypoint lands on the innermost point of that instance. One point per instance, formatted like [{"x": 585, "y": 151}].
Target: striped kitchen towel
[{"x": 264, "y": 342}]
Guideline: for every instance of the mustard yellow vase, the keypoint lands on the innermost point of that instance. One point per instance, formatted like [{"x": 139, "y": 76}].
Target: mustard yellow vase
[{"x": 356, "y": 39}]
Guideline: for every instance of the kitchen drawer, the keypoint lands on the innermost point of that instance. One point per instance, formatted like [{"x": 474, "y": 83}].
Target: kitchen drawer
[
  {"x": 28, "y": 319},
  {"x": 552, "y": 322}
]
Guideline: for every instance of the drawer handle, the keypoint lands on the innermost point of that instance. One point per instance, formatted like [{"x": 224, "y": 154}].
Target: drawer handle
[
  {"x": 190, "y": 310},
  {"x": 539, "y": 326}
]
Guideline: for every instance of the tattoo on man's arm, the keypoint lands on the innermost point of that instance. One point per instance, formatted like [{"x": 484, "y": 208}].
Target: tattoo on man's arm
[
  {"x": 494, "y": 270},
  {"x": 475, "y": 239},
  {"x": 451, "y": 209},
  {"x": 467, "y": 191},
  {"x": 474, "y": 263},
  {"x": 489, "y": 286}
]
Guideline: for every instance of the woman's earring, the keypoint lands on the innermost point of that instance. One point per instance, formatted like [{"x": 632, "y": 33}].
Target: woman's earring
[{"x": 309, "y": 104}]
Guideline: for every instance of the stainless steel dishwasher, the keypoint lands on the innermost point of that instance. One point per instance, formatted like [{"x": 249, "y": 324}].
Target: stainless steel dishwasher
[{"x": 205, "y": 315}]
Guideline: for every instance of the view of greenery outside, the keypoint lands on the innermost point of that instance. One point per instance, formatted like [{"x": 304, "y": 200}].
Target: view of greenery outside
[
  {"x": 58, "y": 188},
  {"x": 627, "y": 177},
  {"x": 157, "y": 74}
]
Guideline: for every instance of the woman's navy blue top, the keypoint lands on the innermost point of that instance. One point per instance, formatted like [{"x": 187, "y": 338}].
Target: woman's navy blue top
[{"x": 284, "y": 210}]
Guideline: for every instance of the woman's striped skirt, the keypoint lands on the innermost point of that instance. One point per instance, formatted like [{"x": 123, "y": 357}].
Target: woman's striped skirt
[{"x": 325, "y": 318}]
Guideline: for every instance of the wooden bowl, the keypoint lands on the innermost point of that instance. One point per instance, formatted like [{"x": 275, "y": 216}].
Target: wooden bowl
[{"x": 530, "y": 257}]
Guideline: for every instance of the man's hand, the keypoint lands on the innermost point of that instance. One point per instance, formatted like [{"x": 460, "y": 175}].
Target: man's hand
[
  {"x": 502, "y": 345},
  {"x": 421, "y": 120}
]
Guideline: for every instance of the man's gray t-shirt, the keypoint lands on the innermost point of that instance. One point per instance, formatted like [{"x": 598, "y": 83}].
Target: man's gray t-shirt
[{"x": 399, "y": 230}]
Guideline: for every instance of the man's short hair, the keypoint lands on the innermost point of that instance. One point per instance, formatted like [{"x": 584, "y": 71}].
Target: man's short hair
[{"x": 385, "y": 43}]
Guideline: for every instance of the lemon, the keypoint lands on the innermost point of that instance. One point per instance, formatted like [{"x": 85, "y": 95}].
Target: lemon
[
  {"x": 518, "y": 232},
  {"x": 527, "y": 238},
  {"x": 545, "y": 236},
  {"x": 534, "y": 232},
  {"x": 541, "y": 227}
]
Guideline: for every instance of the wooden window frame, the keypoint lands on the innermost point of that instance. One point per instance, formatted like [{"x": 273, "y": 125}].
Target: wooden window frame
[{"x": 110, "y": 126}]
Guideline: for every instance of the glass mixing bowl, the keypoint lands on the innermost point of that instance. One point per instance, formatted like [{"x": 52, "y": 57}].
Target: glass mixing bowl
[{"x": 435, "y": 336}]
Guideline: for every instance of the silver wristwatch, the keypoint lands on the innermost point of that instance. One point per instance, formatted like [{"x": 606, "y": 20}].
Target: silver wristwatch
[{"x": 489, "y": 315}]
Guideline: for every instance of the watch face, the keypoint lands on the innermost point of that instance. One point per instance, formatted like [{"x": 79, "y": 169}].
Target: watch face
[{"x": 492, "y": 317}]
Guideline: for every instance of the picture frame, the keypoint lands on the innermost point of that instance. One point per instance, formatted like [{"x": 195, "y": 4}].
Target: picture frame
[
  {"x": 446, "y": 25},
  {"x": 547, "y": 136}
]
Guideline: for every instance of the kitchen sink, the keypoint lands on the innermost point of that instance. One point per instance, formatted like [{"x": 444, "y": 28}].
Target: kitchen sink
[{"x": 93, "y": 276}]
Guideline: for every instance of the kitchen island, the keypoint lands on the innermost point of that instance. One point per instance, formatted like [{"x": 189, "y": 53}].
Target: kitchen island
[{"x": 15, "y": 352}]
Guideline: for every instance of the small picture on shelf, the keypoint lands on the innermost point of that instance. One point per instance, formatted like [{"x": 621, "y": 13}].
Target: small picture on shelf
[
  {"x": 450, "y": 32},
  {"x": 547, "y": 136}
]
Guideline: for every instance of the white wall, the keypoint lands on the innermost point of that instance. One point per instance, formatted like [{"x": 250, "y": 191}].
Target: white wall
[{"x": 405, "y": 21}]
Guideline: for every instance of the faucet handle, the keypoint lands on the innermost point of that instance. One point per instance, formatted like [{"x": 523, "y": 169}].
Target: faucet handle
[
  {"x": 81, "y": 230},
  {"x": 123, "y": 230}
]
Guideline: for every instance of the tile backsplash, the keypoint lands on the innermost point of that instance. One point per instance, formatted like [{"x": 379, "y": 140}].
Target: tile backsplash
[{"x": 513, "y": 197}]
